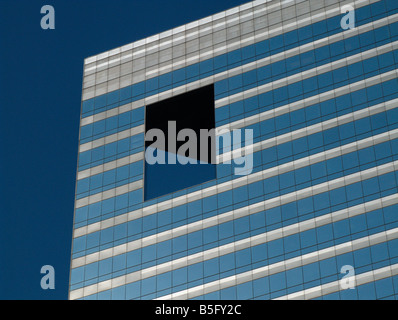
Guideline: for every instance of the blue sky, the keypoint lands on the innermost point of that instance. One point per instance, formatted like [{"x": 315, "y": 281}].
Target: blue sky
[{"x": 40, "y": 92}]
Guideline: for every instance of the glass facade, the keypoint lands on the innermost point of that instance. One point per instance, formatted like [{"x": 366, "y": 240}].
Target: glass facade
[{"x": 322, "y": 101}]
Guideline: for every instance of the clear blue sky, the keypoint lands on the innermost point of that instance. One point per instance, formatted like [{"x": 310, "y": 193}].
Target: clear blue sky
[{"x": 40, "y": 91}]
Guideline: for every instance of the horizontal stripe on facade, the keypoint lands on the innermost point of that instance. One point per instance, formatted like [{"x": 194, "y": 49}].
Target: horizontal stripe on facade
[
  {"x": 241, "y": 244},
  {"x": 211, "y": 187},
  {"x": 270, "y": 201},
  {"x": 177, "y": 89},
  {"x": 284, "y": 265},
  {"x": 112, "y": 138},
  {"x": 392, "y": 104},
  {"x": 319, "y": 98},
  {"x": 335, "y": 286},
  {"x": 294, "y": 165},
  {"x": 258, "y": 118},
  {"x": 254, "y": 243},
  {"x": 111, "y": 165},
  {"x": 110, "y": 179},
  {"x": 253, "y": 92},
  {"x": 319, "y": 127},
  {"x": 272, "y": 142},
  {"x": 133, "y": 139},
  {"x": 254, "y": 65},
  {"x": 145, "y": 44},
  {"x": 116, "y": 280},
  {"x": 241, "y": 212},
  {"x": 321, "y": 157},
  {"x": 153, "y": 238},
  {"x": 100, "y": 139},
  {"x": 239, "y": 278},
  {"x": 307, "y": 74},
  {"x": 287, "y": 81},
  {"x": 258, "y": 176},
  {"x": 253, "y": 9},
  {"x": 284, "y": 27}
]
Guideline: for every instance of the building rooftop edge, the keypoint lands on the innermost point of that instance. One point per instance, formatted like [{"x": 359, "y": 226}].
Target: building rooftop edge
[{"x": 172, "y": 31}]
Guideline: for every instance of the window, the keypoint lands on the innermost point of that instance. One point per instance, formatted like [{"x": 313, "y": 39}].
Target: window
[{"x": 165, "y": 172}]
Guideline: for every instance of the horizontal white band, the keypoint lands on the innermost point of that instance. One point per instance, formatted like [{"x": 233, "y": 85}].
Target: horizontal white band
[
  {"x": 242, "y": 244},
  {"x": 258, "y": 90},
  {"x": 242, "y": 277},
  {"x": 257, "y": 118},
  {"x": 335, "y": 286},
  {"x": 262, "y": 145},
  {"x": 296, "y": 164},
  {"x": 274, "y": 23},
  {"x": 284, "y": 265}
]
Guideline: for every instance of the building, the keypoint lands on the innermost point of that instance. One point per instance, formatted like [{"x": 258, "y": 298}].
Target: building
[{"x": 315, "y": 218}]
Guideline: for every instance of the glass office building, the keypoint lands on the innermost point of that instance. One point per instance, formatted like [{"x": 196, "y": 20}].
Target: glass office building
[{"x": 321, "y": 97}]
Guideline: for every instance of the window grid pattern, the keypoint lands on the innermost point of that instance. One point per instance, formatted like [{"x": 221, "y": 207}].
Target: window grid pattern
[{"x": 375, "y": 162}]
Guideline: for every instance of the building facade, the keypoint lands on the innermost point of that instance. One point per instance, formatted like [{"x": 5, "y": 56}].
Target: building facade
[{"x": 316, "y": 217}]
